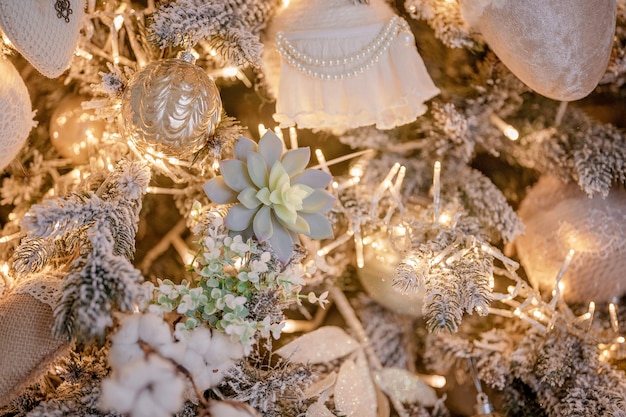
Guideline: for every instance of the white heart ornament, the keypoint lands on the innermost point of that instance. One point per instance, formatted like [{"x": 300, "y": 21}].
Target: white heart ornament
[
  {"x": 45, "y": 39},
  {"x": 559, "y": 48}
]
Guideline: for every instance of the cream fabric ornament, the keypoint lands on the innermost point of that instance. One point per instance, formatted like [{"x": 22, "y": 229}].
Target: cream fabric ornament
[
  {"x": 41, "y": 34},
  {"x": 559, "y": 48},
  {"x": 16, "y": 114},
  {"x": 336, "y": 65},
  {"x": 560, "y": 217}
]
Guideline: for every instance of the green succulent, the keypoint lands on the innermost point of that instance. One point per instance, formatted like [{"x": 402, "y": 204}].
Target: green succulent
[{"x": 276, "y": 197}]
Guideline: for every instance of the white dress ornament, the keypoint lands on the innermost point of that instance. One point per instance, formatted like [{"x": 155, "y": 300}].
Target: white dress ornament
[
  {"x": 336, "y": 65},
  {"x": 559, "y": 218},
  {"x": 559, "y": 48},
  {"x": 45, "y": 32},
  {"x": 16, "y": 114}
]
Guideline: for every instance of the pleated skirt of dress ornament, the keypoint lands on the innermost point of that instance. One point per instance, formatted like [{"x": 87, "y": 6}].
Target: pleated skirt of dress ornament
[{"x": 360, "y": 67}]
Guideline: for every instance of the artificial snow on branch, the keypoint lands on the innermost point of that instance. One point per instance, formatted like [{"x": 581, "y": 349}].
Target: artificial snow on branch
[
  {"x": 231, "y": 27},
  {"x": 91, "y": 235}
]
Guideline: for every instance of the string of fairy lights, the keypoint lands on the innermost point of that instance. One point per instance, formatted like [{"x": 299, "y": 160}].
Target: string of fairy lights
[{"x": 520, "y": 301}]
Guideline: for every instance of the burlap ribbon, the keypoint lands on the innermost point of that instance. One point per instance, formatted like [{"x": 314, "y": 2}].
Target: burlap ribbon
[{"x": 26, "y": 343}]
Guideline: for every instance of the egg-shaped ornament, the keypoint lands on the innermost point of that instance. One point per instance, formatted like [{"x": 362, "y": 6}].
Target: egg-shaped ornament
[
  {"x": 75, "y": 132},
  {"x": 560, "y": 217},
  {"x": 171, "y": 108},
  {"x": 380, "y": 260},
  {"x": 559, "y": 48},
  {"x": 16, "y": 115}
]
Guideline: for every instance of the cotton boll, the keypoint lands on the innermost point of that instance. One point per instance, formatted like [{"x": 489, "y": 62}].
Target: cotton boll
[
  {"x": 124, "y": 346},
  {"x": 116, "y": 396},
  {"x": 222, "y": 347},
  {"x": 149, "y": 387},
  {"x": 150, "y": 329},
  {"x": 154, "y": 331},
  {"x": 208, "y": 355}
]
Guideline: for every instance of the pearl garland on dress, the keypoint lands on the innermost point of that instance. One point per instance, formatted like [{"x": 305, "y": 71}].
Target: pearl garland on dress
[{"x": 356, "y": 63}]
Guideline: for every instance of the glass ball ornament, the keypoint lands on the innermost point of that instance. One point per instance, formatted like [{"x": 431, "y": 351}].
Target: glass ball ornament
[
  {"x": 170, "y": 108},
  {"x": 74, "y": 131},
  {"x": 560, "y": 217},
  {"x": 380, "y": 260}
]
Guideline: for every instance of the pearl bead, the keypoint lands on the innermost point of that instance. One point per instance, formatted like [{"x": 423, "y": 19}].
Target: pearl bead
[{"x": 366, "y": 56}]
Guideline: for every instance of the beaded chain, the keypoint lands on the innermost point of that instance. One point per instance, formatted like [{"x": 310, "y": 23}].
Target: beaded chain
[
  {"x": 63, "y": 9},
  {"x": 356, "y": 63}
]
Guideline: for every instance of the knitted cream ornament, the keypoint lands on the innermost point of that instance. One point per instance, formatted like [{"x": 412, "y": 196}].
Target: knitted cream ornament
[
  {"x": 45, "y": 36},
  {"x": 16, "y": 114},
  {"x": 560, "y": 217},
  {"x": 336, "y": 65}
]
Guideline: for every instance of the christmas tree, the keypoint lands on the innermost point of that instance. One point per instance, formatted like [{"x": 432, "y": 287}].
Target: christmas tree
[{"x": 313, "y": 208}]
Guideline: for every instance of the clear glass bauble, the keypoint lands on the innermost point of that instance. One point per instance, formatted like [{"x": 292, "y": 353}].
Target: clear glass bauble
[
  {"x": 170, "y": 108},
  {"x": 379, "y": 268}
]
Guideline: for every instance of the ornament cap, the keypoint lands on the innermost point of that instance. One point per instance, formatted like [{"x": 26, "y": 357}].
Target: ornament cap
[
  {"x": 186, "y": 56},
  {"x": 483, "y": 406}
]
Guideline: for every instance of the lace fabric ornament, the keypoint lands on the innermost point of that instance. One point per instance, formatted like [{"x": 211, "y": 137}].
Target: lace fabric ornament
[
  {"x": 336, "y": 65},
  {"x": 560, "y": 217},
  {"x": 16, "y": 114},
  {"x": 45, "y": 40},
  {"x": 44, "y": 288},
  {"x": 26, "y": 341}
]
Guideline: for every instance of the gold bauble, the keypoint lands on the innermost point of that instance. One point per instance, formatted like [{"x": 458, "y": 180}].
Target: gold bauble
[
  {"x": 379, "y": 268},
  {"x": 74, "y": 131},
  {"x": 559, "y": 48},
  {"x": 559, "y": 217},
  {"x": 171, "y": 107}
]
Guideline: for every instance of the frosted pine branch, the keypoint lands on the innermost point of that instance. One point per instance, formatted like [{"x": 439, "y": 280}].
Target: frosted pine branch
[
  {"x": 452, "y": 267},
  {"x": 485, "y": 201},
  {"x": 98, "y": 283},
  {"x": 97, "y": 230},
  {"x": 445, "y": 19},
  {"x": 581, "y": 149},
  {"x": 231, "y": 26},
  {"x": 33, "y": 255},
  {"x": 442, "y": 307},
  {"x": 238, "y": 46},
  {"x": 55, "y": 218}
]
